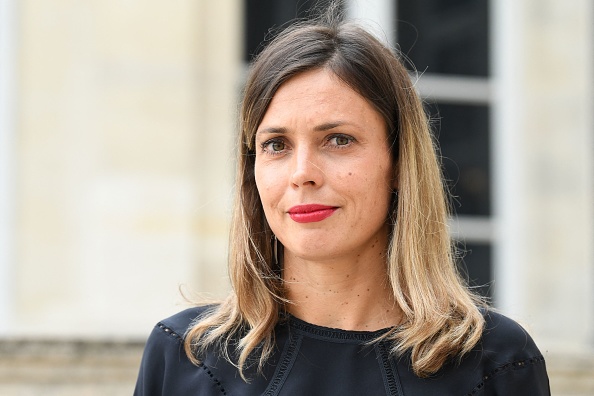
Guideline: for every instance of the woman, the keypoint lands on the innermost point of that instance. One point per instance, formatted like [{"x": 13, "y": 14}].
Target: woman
[{"x": 341, "y": 265}]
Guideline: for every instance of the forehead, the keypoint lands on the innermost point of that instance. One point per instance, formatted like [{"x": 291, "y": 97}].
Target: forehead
[
  {"x": 310, "y": 84},
  {"x": 317, "y": 94}
]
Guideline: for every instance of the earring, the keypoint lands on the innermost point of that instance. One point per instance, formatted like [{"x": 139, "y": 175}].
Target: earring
[
  {"x": 275, "y": 250},
  {"x": 393, "y": 206}
]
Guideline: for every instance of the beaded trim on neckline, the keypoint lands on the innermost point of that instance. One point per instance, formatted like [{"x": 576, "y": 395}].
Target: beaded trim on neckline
[{"x": 333, "y": 333}]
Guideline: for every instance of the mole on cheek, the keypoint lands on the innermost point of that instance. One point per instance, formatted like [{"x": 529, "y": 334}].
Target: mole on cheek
[{"x": 350, "y": 173}]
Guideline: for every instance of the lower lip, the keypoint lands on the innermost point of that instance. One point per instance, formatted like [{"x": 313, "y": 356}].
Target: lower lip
[{"x": 312, "y": 217}]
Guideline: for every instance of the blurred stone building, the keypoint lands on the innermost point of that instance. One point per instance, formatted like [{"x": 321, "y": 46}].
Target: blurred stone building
[{"x": 117, "y": 126}]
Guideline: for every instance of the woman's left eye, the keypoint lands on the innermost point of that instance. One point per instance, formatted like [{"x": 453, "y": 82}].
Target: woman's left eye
[{"x": 341, "y": 140}]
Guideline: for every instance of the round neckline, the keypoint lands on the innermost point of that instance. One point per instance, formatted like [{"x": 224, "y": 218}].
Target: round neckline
[{"x": 331, "y": 333}]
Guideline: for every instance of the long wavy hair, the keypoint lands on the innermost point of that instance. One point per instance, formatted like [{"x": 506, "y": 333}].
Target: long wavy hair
[{"x": 442, "y": 319}]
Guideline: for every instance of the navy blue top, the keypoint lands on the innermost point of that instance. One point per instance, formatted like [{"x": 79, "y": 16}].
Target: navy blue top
[{"x": 312, "y": 360}]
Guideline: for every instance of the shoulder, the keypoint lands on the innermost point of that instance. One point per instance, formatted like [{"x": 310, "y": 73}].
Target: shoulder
[
  {"x": 177, "y": 325},
  {"x": 168, "y": 334},
  {"x": 511, "y": 362},
  {"x": 164, "y": 363},
  {"x": 505, "y": 340}
]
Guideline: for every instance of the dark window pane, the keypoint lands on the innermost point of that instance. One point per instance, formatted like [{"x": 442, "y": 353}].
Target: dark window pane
[
  {"x": 445, "y": 36},
  {"x": 264, "y": 15},
  {"x": 475, "y": 267},
  {"x": 463, "y": 135}
]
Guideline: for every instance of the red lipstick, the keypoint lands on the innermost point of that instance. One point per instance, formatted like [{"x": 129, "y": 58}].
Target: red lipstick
[{"x": 310, "y": 213}]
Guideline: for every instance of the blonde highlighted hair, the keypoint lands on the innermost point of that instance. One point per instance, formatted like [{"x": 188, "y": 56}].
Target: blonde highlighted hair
[{"x": 442, "y": 317}]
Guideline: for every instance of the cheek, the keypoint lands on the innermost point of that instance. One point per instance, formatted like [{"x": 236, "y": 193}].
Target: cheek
[
  {"x": 380, "y": 188},
  {"x": 260, "y": 177},
  {"x": 267, "y": 185}
]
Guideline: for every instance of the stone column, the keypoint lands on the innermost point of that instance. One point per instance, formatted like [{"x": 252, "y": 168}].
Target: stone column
[
  {"x": 125, "y": 126},
  {"x": 8, "y": 93},
  {"x": 544, "y": 175}
]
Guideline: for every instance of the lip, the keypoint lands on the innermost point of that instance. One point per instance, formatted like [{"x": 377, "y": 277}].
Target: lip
[{"x": 311, "y": 213}]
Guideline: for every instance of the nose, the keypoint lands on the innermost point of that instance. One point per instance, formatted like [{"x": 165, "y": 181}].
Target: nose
[{"x": 306, "y": 168}]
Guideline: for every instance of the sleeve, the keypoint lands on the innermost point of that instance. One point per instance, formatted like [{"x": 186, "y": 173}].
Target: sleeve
[
  {"x": 153, "y": 365},
  {"x": 516, "y": 365},
  {"x": 528, "y": 377},
  {"x": 165, "y": 369}
]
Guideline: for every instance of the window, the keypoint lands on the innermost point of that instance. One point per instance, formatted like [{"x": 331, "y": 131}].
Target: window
[
  {"x": 447, "y": 41},
  {"x": 446, "y": 37},
  {"x": 264, "y": 16}
]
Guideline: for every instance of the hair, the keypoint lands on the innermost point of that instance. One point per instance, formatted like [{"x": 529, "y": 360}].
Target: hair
[{"x": 442, "y": 319}]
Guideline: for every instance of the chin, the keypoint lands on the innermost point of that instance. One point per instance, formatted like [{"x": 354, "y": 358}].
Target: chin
[{"x": 319, "y": 252}]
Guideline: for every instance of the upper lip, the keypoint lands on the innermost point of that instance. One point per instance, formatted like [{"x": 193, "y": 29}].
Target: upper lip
[{"x": 307, "y": 208}]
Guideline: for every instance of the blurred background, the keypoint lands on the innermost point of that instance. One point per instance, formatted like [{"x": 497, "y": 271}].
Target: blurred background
[{"x": 117, "y": 131}]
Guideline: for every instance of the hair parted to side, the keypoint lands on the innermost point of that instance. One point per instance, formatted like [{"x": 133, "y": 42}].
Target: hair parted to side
[{"x": 442, "y": 317}]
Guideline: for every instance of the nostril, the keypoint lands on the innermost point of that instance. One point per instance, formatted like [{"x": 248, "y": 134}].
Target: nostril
[{"x": 299, "y": 183}]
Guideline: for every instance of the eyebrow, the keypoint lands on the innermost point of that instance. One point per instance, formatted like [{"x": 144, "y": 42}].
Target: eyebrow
[
  {"x": 329, "y": 125},
  {"x": 319, "y": 128},
  {"x": 272, "y": 130}
]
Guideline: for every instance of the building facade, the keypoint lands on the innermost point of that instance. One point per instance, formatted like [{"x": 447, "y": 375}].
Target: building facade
[{"x": 117, "y": 133}]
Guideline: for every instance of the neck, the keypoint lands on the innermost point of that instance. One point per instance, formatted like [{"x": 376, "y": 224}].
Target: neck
[{"x": 345, "y": 294}]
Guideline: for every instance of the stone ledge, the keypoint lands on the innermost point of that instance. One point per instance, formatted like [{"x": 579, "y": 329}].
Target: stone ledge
[
  {"x": 68, "y": 361},
  {"x": 99, "y": 367},
  {"x": 571, "y": 374}
]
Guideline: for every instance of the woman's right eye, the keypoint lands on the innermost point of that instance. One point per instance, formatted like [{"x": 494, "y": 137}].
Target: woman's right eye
[
  {"x": 277, "y": 146},
  {"x": 273, "y": 146}
]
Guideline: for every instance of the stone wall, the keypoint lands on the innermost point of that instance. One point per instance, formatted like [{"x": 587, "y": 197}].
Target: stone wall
[
  {"x": 64, "y": 368},
  {"x": 124, "y": 129},
  {"x": 124, "y": 125}
]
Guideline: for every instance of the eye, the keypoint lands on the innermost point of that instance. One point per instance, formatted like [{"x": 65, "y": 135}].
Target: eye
[
  {"x": 341, "y": 140},
  {"x": 273, "y": 146},
  {"x": 277, "y": 146}
]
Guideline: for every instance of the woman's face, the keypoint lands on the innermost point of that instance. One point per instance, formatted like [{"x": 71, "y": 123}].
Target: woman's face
[{"x": 323, "y": 169}]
